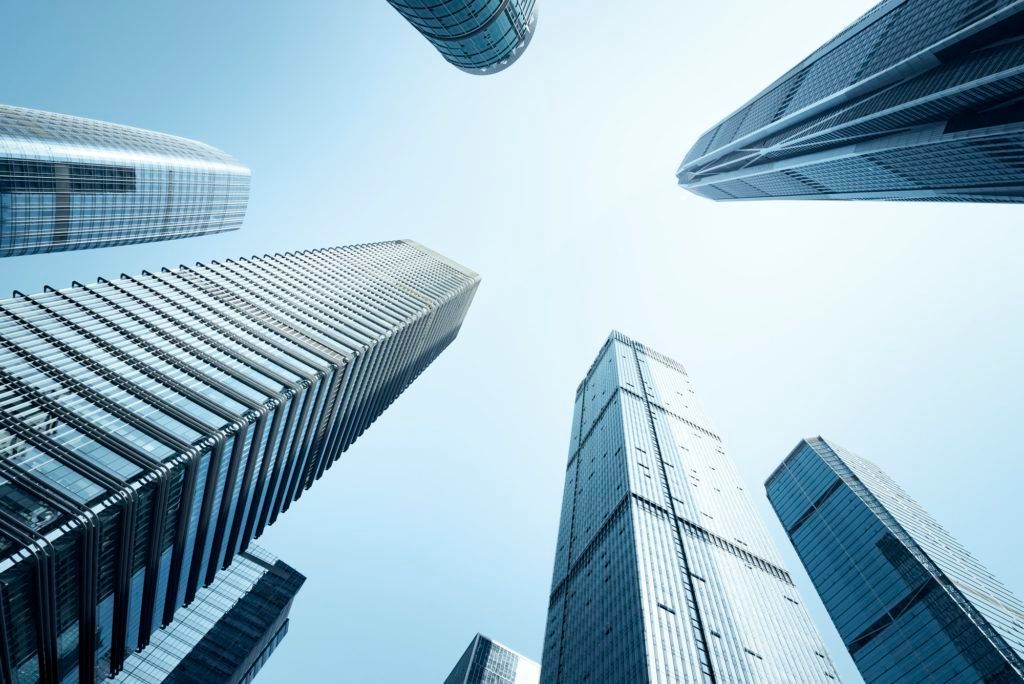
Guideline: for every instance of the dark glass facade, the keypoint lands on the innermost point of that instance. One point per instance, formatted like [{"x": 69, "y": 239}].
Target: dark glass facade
[
  {"x": 228, "y": 632},
  {"x": 909, "y": 601},
  {"x": 488, "y": 662},
  {"x": 72, "y": 183},
  {"x": 663, "y": 570},
  {"x": 151, "y": 426},
  {"x": 477, "y": 36},
  {"x": 917, "y": 100}
]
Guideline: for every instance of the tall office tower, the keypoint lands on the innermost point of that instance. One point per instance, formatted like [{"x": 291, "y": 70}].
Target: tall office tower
[
  {"x": 152, "y": 426},
  {"x": 663, "y": 570},
  {"x": 477, "y": 36},
  {"x": 73, "y": 183},
  {"x": 488, "y": 662},
  {"x": 917, "y": 100},
  {"x": 228, "y": 632},
  {"x": 910, "y": 603}
]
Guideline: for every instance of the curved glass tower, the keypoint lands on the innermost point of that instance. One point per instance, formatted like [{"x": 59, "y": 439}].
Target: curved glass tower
[
  {"x": 477, "y": 36},
  {"x": 72, "y": 183},
  {"x": 917, "y": 100}
]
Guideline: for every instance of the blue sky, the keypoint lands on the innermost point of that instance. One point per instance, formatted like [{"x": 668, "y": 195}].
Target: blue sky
[{"x": 894, "y": 329}]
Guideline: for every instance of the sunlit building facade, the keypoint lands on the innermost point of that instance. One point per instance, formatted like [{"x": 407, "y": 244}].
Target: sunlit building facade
[
  {"x": 910, "y": 603},
  {"x": 228, "y": 632},
  {"x": 72, "y": 183},
  {"x": 477, "y": 36},
  {"x": 663, "y": 569},
  {"x": 487, "y": 662},
  {"x": 917, "y": 100},
  {"x": 152, "y": 426}
]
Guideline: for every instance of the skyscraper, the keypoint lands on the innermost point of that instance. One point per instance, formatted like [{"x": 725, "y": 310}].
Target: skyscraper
[
  {"x": 228, "y": 632},
  {"x": 73, "y": 183},
  {"x": 488, "y": 662},
  {"x": 917, "y": 100},
  {"x": 477, "y": 36},
  {"x": 663, "y": 570},
  {"x": 152, "y": 426},
  {"x": 909, "y": 601}
]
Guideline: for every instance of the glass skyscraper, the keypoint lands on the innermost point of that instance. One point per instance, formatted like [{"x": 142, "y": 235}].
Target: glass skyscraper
[
  {"x": 663, "y": 569},
  {"x": 152, "y": 426},
  {"x": 917, "y": 100},
  {"x": 73, "y": 183},
  {"x": 477, "y": 36},
  {"x": 488, "y": 662},
  {"x": 909, "y": 601},
  {"x": 228, "y": 632}
]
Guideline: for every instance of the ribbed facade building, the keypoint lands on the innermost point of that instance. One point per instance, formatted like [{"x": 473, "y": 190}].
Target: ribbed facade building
[
  {"x": 228, "y": 632},
  {"x": 663, "y": 569},
  {"x": 72, "y": 183},
  {"x": 917, "y": 100},
  {"x": 152, "y": 426},
  {"x": 910, "y": 603},
  {"x": 487, "y": 662},
  {"x": 477, "y": 36}
]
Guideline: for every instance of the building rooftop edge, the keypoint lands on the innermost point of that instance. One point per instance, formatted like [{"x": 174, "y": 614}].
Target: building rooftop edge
[
  {"x": 481, "y": 635},
  {"x": 510, "y": 59},
  {"x": 805, "y": 441},
  {"x": 465, "y": 270},
  {"x": 230, "y": 163},
  {"x": 144, "y": 272}
]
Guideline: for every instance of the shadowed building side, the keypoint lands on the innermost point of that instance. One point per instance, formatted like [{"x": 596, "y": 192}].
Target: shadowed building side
[
  {"x": 67, "y": 183},
  {"x": 910, "y": 603},
  {"x": 228, "y": 632},
  {"x": 917, "y": 100},
  {"x": 477, "y": 36}
]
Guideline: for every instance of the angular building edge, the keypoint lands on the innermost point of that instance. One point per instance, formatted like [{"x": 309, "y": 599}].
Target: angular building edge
[
  {"x": 964, "y": 589},
  {"x": 322, "y": 340},
  {"x": 910, "y": 102}
]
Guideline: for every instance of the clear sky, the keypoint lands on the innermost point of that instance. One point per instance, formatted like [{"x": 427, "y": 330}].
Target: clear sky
[{"x": 894, "y": 329}]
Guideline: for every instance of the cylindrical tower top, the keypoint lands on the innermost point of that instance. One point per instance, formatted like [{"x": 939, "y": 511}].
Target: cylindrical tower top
[{"x": 477, "y": 36}]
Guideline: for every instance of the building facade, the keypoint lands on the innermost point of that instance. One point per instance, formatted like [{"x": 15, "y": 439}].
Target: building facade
[
  {"x": 72, "y": 183},
  {"x": 152, "y": 426},
  {"x": 488, "y": 662},
  {"x": 228, "y": 632},
  {"x": 663, "y": 569},
  {"x": 917, "y": 100},
  {"x": 909, "y": 601},
  {"x": 477, "y": 36}
]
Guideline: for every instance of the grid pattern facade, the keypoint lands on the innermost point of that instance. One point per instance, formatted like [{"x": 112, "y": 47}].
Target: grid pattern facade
[
  {"x": 477, "y": 36},
  {"x": 228, "y": 632},
  {"x": 663, "y": 570},
  {"x": 73, "y": 183},
  {"x": 488, "y": 662},
  {"x": 917, "y": 100},
  {"x": 909, "y": 601},
  {"x": 152, "y": 426}
]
